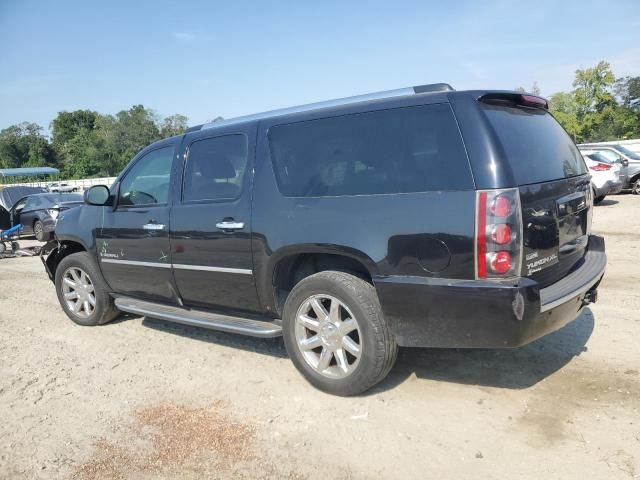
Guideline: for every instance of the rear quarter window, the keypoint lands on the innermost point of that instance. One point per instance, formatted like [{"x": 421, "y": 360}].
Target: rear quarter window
[
  {"x": 403, "y": 150},
  {"x": 537, "y": 147}
]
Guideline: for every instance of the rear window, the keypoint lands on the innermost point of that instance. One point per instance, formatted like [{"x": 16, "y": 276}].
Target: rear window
[
  {"x": 412, "y": 149},
  {"x": 537, "y": 147}
]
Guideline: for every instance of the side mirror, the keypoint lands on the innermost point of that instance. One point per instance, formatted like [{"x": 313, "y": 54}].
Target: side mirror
[{"x": 97, "y": 195}]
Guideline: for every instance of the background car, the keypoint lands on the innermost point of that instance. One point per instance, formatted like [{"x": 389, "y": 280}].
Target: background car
[
  {"x": 38, "y": 213},
  {"x": 599, "y": 157},
  {"x": 9, "y": 196},
  {"x": 62, "y": 187},
  {"x": 605, "y": 176},
  {"x": 617, "y": 153}
]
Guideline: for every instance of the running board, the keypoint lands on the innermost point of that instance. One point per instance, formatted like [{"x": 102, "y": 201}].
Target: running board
[{"x": 199, "y": 318}]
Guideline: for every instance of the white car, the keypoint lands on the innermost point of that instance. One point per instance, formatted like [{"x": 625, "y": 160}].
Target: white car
[
  {"x": 62, "y": 187},
  {"x": 605, "y": 176}
]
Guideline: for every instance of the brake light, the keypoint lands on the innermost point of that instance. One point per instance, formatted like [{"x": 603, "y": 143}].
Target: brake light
[
  {"x": 498, "y": 234},
  {"x": 501, "y": 262},
  {"x": 501, "y": 206},
  {"x": 599, "y": 167},
  {"x": 533, "y": 101},
  {"x": 501, "y": 233}
]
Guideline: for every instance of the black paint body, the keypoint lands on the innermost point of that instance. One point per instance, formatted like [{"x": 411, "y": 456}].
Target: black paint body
[{"x": 418, "y": 248}]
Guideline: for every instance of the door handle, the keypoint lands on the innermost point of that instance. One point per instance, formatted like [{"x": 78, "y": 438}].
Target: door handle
[
  {"x": 153, "y": 226},
  {"x": 230, "y": 225}
]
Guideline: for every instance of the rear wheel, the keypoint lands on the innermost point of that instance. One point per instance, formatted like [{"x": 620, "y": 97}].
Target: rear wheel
[
  {"x": 82, "y": 292},
  {"x": 635, "y": 187},
  {"x": 336, "y": 335}
]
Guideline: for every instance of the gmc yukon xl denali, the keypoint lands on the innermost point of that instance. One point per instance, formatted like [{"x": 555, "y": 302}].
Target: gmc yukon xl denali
[{"x": 418, "y": 217}]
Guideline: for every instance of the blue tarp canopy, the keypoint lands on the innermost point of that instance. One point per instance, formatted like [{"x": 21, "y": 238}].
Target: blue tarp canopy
[{"x": 28, "y": 172}]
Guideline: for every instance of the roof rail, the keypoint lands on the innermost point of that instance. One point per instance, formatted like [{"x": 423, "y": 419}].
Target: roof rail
[{"x": 399, "y": 92}]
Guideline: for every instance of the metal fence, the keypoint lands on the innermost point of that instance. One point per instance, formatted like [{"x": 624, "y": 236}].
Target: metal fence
[{"x": 79, "y": 185}]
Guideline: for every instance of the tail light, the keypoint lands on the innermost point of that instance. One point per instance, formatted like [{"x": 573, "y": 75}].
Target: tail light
[
  {"x": 498, "y": 234},
  {"x": 53, "y": 212},
  {"x": 600, "y": 167}
]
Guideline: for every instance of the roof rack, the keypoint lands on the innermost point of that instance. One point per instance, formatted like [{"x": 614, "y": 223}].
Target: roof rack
[{"x": 399, "y": 92}]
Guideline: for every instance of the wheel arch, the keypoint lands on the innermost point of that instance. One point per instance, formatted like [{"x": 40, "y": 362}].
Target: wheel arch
[
  {"x": 289, "y": 266},
  {"x": 63, "y": 249}
]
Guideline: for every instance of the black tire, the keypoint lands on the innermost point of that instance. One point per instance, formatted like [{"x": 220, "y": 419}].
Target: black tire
[
  {"x": 39, "y": 233},
  {"x": 635, "y": 187},
  {"x": 379, "y": 348},
  {"x": 104, "y": 310},
  {"x": 599, "y": 199}
]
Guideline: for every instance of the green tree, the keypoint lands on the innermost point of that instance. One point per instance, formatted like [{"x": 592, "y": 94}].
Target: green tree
[
  {"x": 67, "y": 125},
  {"x": 627, "y": 90},
  {"x": 24, "y": 145},
  {"x": 592, "y": 88},
  {"x": 133, "y": 130},
  {"x": 173, "y": 125},
  {"x": 599, "y": 108},
  {"x": 564, "y": 108}
]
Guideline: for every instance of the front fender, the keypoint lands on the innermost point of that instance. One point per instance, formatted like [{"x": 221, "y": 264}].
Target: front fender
[{"x": 49, "y": 256}]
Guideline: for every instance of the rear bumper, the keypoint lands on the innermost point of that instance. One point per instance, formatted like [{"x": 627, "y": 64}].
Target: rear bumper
[
  {"x": 428, "y": 312},
  {"x": 615, "y": 187},
  {"x": 609, "y": 188}
]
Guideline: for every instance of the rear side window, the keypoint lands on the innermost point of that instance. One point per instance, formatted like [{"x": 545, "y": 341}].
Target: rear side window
[
  {"x": 537, "y": 147},
  {"x": 215, "y": 168},
  {"x": 412, "y": 149}
]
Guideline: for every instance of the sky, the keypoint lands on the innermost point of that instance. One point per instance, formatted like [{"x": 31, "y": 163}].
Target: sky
[{"x": 217, "y": 58}]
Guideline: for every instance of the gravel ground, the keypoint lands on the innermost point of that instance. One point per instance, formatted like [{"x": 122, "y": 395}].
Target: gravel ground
[{"x": 139, "y": 398}]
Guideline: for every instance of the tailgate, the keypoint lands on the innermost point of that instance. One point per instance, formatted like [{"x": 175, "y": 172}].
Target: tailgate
[
  {"x": 554, "y": 186},
  {"x": 555, "y": 217}
]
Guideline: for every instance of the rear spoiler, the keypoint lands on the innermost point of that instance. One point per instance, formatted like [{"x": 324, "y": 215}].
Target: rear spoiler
[{"x": 515, "y": 98}]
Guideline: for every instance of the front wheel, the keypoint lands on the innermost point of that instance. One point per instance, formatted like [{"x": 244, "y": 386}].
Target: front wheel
[
  {"x": 336, "y": 335},
  {"x": 635, "y": 187},
  {"x": 599, "y": 199},
  {"x": 39, "y": 232},
  {"x": 81, "y": 291}
]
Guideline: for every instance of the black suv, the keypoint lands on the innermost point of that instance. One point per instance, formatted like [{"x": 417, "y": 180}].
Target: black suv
[{"x": 419, "y": 217}]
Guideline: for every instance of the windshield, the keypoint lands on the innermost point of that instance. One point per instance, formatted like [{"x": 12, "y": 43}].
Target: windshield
[
  {"x": 627, "y": 152},
  {"x": 536, "y": 146}
]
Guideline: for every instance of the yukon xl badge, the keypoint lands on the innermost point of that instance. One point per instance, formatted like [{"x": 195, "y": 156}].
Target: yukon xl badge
[{"x": 535, "y": 264}]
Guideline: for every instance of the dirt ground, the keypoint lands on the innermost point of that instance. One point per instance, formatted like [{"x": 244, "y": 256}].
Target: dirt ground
[{"x": 141, "y": 399}]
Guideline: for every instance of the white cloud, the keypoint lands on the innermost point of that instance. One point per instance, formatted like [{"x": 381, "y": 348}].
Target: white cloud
[{"x": 183, "y": 36}]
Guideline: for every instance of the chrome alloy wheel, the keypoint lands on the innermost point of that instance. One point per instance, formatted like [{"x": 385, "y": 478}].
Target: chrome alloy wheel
[
  {"x": 328, "y": 336},
  {"x": 78, "y": 292}
]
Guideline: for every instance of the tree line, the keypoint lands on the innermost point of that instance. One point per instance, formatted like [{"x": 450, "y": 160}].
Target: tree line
[
  {"x": 85, "y": 143},
  {"x": 600, "y": 107}
]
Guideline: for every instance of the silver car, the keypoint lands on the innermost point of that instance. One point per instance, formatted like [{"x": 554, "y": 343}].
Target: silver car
[
  {"x": 629, "y": 160},
  {"x": 60, "y": 187}
]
